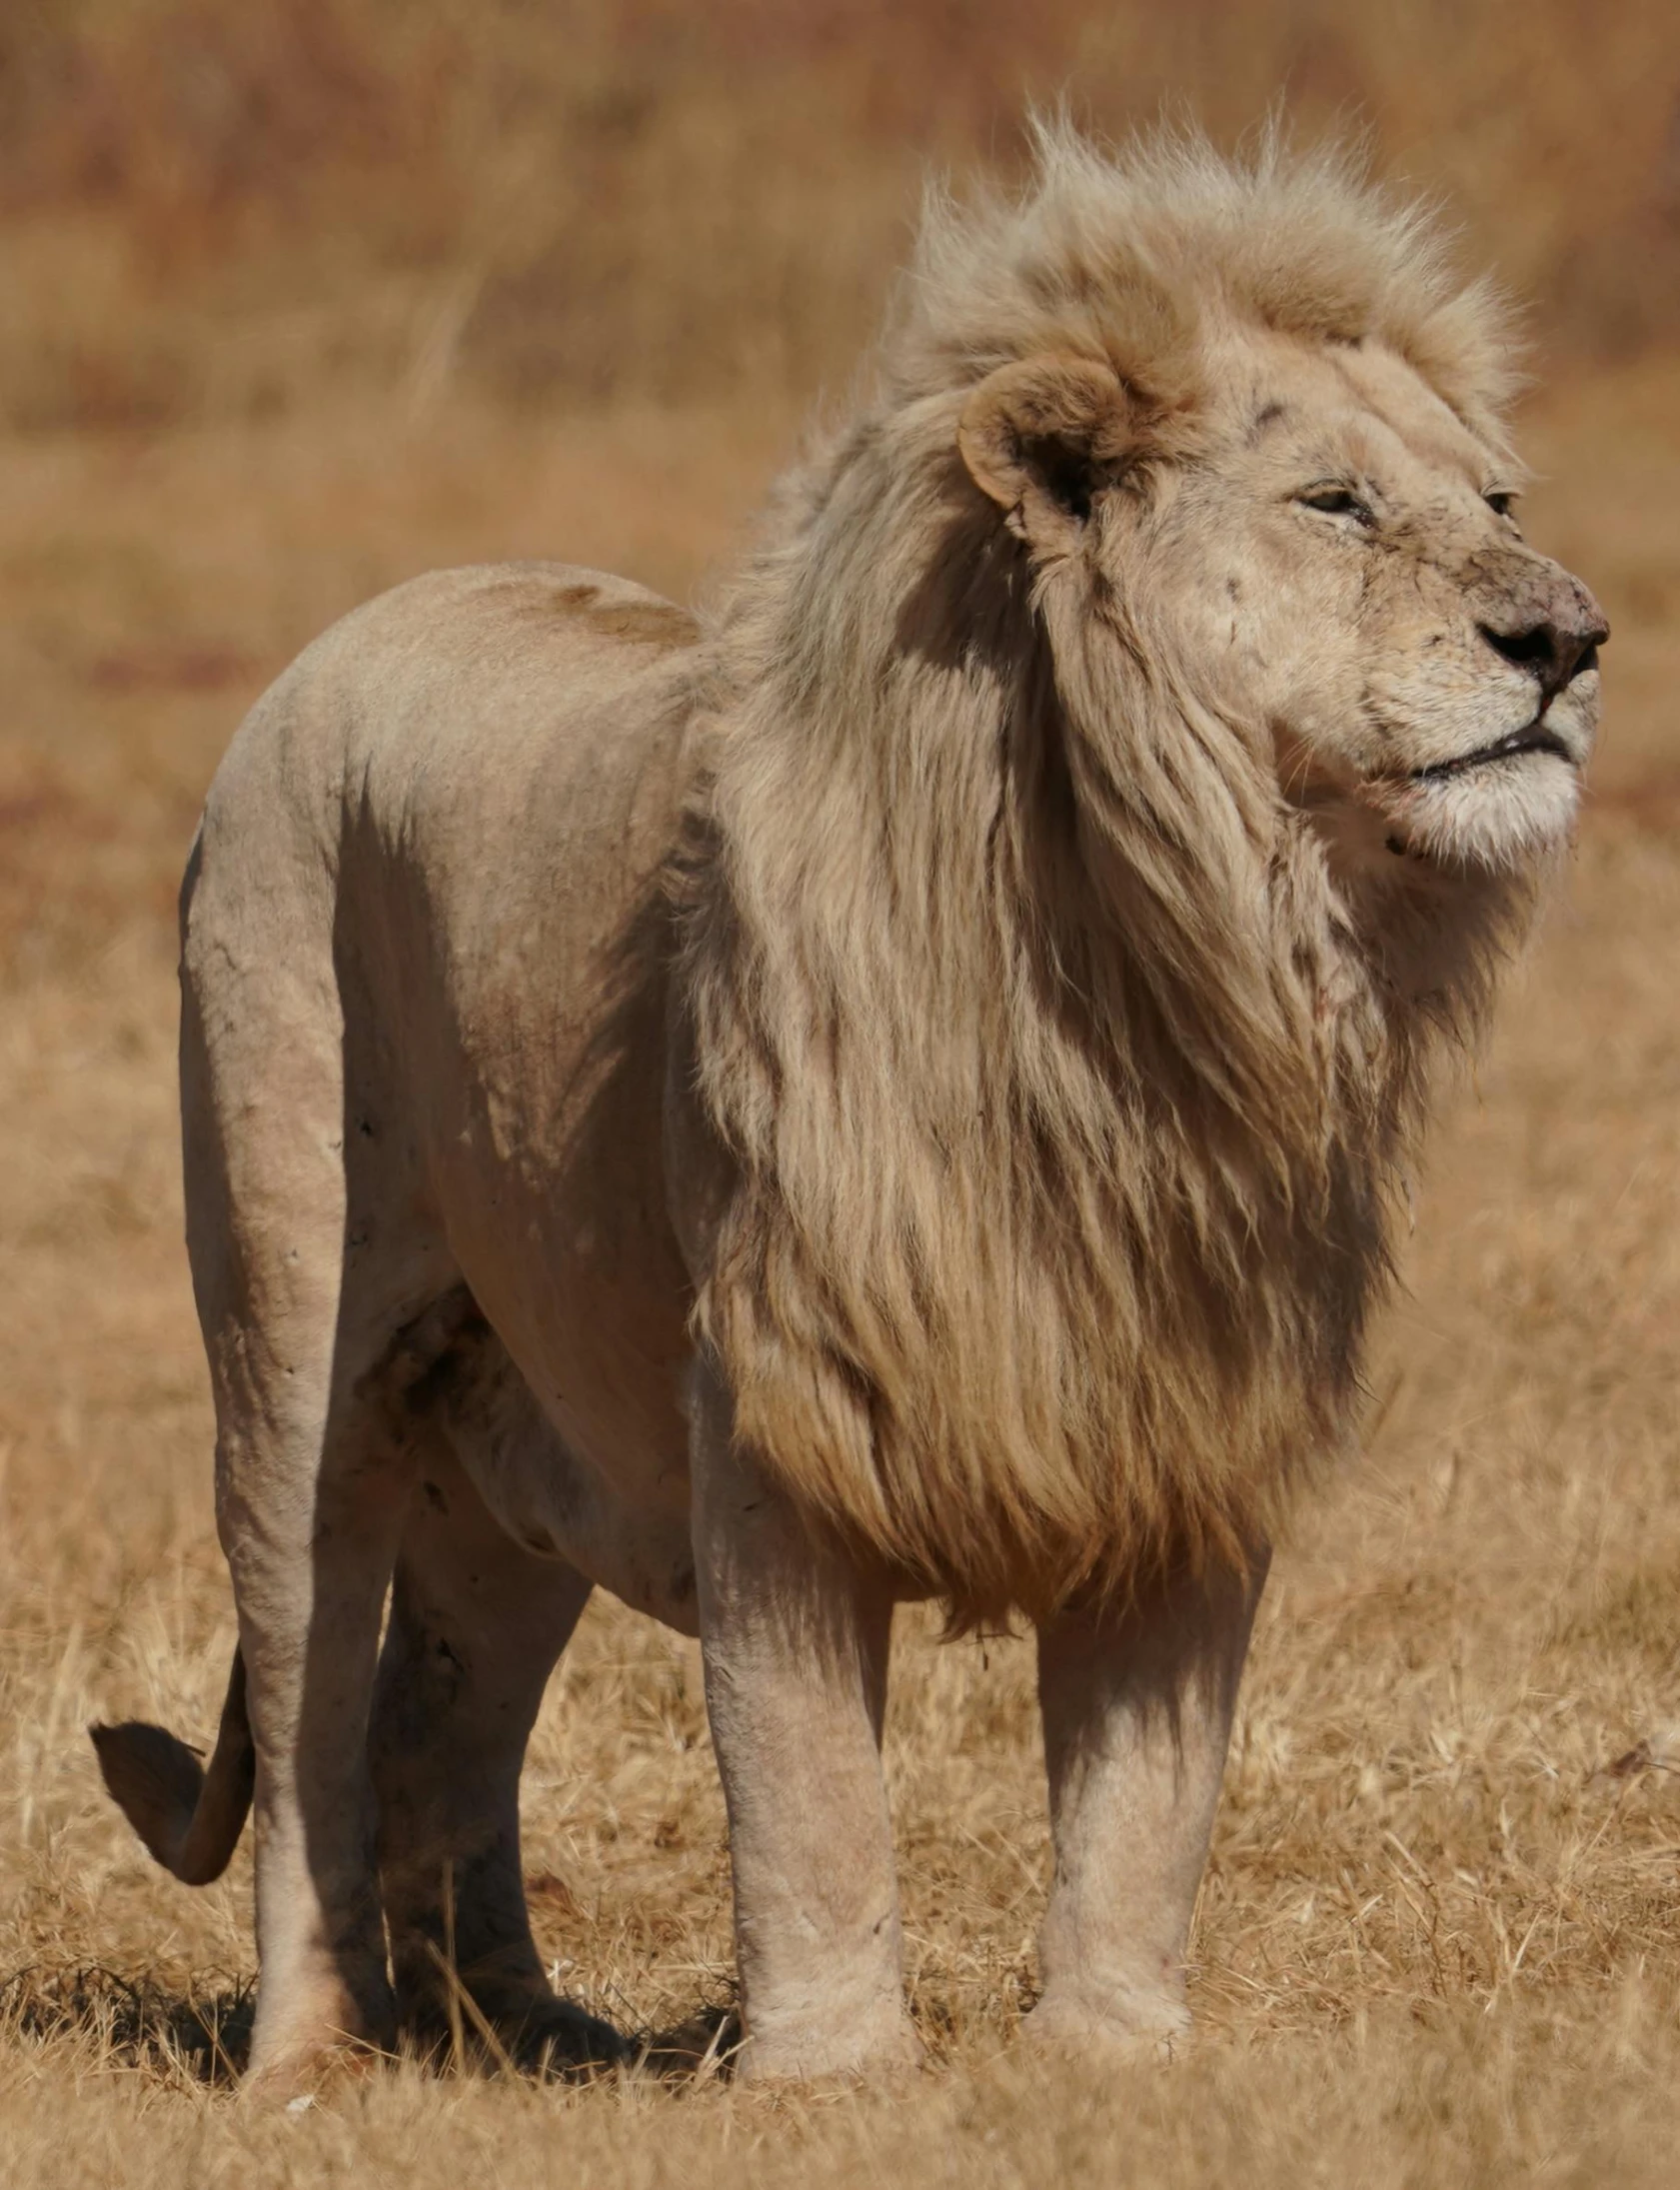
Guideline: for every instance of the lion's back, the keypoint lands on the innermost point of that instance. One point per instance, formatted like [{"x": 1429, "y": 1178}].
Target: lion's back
[{"x": 444, "y": 686}]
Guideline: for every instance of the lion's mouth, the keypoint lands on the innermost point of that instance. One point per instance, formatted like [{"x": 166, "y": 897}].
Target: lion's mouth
[{"x": 1535, "y": 739}]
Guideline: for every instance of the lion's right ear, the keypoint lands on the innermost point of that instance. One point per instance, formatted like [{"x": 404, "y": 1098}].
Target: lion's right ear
[{"x": 1039, "y": 435}]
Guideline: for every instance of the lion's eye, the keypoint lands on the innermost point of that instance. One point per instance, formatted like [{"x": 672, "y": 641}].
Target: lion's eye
[
  {"x": 1336, "y": 502},
  {"x": 1501, "y": 501}
]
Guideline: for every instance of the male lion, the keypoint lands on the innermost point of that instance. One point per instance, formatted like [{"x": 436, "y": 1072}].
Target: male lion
[{"x": 895, "y": 1090}]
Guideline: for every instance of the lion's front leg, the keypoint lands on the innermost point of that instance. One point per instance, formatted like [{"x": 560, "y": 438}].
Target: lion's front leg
[
  {"x": 1137, "y": 1713},
  {"x": 794, "y": 1638}
]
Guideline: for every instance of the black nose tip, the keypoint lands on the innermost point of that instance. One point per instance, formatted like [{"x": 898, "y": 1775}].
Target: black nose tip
[{"x": 1552, "y": 653}]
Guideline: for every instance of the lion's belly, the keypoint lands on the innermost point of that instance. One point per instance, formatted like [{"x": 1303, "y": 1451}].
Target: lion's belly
[
  {"x": 589, "y": 1296},
  {"x": 604, "y": 1514}
]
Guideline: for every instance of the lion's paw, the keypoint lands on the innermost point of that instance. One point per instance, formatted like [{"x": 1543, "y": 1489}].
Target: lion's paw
[
  {"x": 1143, "y": 2033},
  {"x": 556, "y": 2038},
  {"x": 833, "y": 2055}
]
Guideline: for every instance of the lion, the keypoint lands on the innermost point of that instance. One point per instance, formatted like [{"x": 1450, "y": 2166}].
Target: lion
[{"x": 894, "y": 1088}]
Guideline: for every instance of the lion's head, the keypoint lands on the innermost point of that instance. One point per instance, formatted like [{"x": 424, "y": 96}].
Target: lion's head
[
  {"x": 1134, "y": 745},
  {"x": 1334, "y": 546}
]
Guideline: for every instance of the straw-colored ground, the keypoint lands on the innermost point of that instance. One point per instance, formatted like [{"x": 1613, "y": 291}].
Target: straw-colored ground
[{"x": 1440, "y": 1938}]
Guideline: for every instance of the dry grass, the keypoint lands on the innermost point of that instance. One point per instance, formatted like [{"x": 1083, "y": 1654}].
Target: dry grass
[
  {"x": 1440, "y": 1938},
  {"x": 214, "y": 210}
]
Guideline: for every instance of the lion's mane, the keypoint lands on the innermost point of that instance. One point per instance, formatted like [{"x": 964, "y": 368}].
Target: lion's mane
[{"x": 1064, "y": 1095}]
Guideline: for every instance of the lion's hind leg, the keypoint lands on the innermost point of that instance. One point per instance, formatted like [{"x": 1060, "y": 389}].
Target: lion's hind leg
[
  {"x": 309, "y": 1499},
  {"x": 477, "y": 1624},
  {"x": 310, "y": 1262}
]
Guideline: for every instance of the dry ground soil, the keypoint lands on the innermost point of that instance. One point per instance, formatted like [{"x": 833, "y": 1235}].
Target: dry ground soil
[{"x": 1440, "y": 1935}]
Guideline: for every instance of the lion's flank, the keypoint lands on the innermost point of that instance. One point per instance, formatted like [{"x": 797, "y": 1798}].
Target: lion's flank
[{"x": 1062, "y": 1100}]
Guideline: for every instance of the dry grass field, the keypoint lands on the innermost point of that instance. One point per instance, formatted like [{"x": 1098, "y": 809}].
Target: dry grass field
[{"x": 1439, "y": 1940}]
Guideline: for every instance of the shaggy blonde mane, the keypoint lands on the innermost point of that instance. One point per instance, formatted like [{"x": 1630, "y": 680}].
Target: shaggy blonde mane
[{"x": 1062, "y": 1094}]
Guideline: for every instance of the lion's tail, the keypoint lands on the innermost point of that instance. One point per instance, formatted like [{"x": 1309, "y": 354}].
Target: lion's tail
[{"x": 189, "y": 1819}]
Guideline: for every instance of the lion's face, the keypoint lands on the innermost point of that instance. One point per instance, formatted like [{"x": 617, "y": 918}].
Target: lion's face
[{"x": 1343, "y": 560}]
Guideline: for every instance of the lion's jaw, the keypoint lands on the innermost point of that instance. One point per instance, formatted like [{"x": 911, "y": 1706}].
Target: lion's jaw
[
  {"x": 1428, "y": 680},
  {"x": 1504, "y": 803}
]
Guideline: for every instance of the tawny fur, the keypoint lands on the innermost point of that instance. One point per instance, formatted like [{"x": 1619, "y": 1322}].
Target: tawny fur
[{"x": 1067, "y": 1089}]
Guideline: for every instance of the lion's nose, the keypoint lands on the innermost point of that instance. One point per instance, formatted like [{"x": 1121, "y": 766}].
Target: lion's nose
[{"x": 1563, "y": 644}]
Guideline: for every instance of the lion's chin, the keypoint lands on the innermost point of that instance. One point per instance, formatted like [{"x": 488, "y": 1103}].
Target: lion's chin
[{"x": 1508, "y": 812}]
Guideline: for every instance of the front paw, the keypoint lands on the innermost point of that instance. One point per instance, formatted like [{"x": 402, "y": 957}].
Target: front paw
[
  {"x": 828, "y": 2052},
  {"x": 1124, "y": 2029}
]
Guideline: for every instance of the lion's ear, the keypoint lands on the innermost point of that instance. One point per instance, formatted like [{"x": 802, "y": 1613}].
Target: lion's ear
[{"x": 1039, "y": 435}]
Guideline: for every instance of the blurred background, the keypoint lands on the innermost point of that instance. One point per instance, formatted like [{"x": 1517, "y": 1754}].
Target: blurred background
[{"x": 221, "y": 210}]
